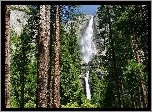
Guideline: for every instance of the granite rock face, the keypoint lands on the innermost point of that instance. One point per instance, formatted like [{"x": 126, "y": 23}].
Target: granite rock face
[
  {"x": 80, "y": 24},
  {"x": 18, "y": 18}
]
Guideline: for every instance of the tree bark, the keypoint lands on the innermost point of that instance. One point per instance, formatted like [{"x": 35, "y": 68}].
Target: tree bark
[
  {"x": 142, "y": 86},
  {"x": 43, "y": 55},
  {"x": 50, "y": 96},
  {"x": 135, "y": 45},
  {"x": 57, "y": 64},
  {"x": 7, "y": 56}
]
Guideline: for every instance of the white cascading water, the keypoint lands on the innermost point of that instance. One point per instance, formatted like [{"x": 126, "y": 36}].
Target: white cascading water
[
  {"x": 88, "y": 50},
  {"x": 87, "y": 86}
]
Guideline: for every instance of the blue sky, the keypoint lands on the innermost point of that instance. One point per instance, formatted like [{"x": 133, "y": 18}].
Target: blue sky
[{"x": 89, "y": 9}]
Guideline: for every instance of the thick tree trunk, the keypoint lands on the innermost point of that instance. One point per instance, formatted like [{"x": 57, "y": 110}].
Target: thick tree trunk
[
  {"x": 7, "y": 57},
  {"x": 57, "y": 64},
  {"x": 50, "y": 89},
  {"x": 135, "y": 45},
  {"x": 43, "y": 52},
  {"x": 142, "y": 86}
]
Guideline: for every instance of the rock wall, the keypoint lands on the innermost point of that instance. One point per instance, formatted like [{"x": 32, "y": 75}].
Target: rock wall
[
  {"x": 80, "y": 24},
  {"x": 18, "y": 17}
]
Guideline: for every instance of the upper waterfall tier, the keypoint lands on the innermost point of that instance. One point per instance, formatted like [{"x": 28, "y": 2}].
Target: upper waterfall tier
[{"x": 88, "y": 49}]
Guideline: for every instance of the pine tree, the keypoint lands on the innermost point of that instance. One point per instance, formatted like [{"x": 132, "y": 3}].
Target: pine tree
[
  {"x": 96, "y": 90},
  {"x": 57, "y": 63},
  {"x": 7, "y": 56},
  {"x": 23, "y": 61},
  {"x": 124, "y": 46},
  {"x": 43, "y": 52},
  {"x": 136, "y": 53},
  {"x": 50, "y": 79},
  {"x": 71, "y": 90}
]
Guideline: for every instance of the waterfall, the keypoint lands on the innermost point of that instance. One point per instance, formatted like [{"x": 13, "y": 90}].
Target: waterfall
[
  {"x": 87, "y": 86},
  {"x": 88, "y": 50},
  {"x": 87, "y": 46}
]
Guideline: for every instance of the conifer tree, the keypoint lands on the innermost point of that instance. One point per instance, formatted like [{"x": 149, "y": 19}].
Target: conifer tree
[
  {"x": 7, "y": 56},
  {"x": 57, "y": 62},
  {"x": 43, "y": 55}
]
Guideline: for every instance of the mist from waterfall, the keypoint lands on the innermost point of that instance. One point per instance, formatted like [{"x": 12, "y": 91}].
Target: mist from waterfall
[{"x": 88, "y": 50}]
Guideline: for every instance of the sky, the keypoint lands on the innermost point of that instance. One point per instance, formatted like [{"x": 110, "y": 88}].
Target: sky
[{"x": 89, "y": 9}]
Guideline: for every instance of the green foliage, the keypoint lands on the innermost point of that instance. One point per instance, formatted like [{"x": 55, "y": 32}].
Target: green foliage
[
  {"x": 19, "y": 9},
  {"x": 30, "y": 104},
  {"x": 71, "y": 90},
  {"x": 70, "y": 105},
  {"x": 96, "y": 89},
  {"x": 23, "y": 66},
  {"x": 86, "y": 104},
  {"x": 126, "y": 23},
  {"x": 132, "y": 75}
]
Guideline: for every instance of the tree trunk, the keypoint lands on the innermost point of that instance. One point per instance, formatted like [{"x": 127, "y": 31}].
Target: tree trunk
[
  {"x": 133, "y": 102},
  {"x": 50, "y": 96},
  {"x": 57, "y": 64},
  {"x": 135, "y": 45},
  {"x": 142, "y": 86},
  {"x": 43, "y": 55},
  {"x": 114, "y": 62},
  {"x": 7, "y": 57},
  {"x": 123, "y": 95}
]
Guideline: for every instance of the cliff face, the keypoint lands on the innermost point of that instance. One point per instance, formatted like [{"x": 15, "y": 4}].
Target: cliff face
[
  {"x": 80, "y": 25},
  {"x": 18, "y": 18}
]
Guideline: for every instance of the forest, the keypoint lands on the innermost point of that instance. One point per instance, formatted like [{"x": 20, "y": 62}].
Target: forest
[{"x": 43, "y": 62}]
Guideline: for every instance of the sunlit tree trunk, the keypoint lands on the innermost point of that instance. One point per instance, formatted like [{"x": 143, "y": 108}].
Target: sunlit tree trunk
[
  {"x": 50, "y": 88},
  {"x": 43, "y": 55},
  {"x": 57, "y": 64},
  {"x": 7, "y": 56}
]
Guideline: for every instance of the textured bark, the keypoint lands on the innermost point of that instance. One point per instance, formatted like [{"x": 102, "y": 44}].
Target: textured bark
[
  {"x": 57, "y": 64},
  {"x": 7, "y": 57},
  {"x": 43, "y": 53},
  {"x": 142, "y": 86},
  {"x": 135, "y": 44},
  {"x": 50, "y": 96}
]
